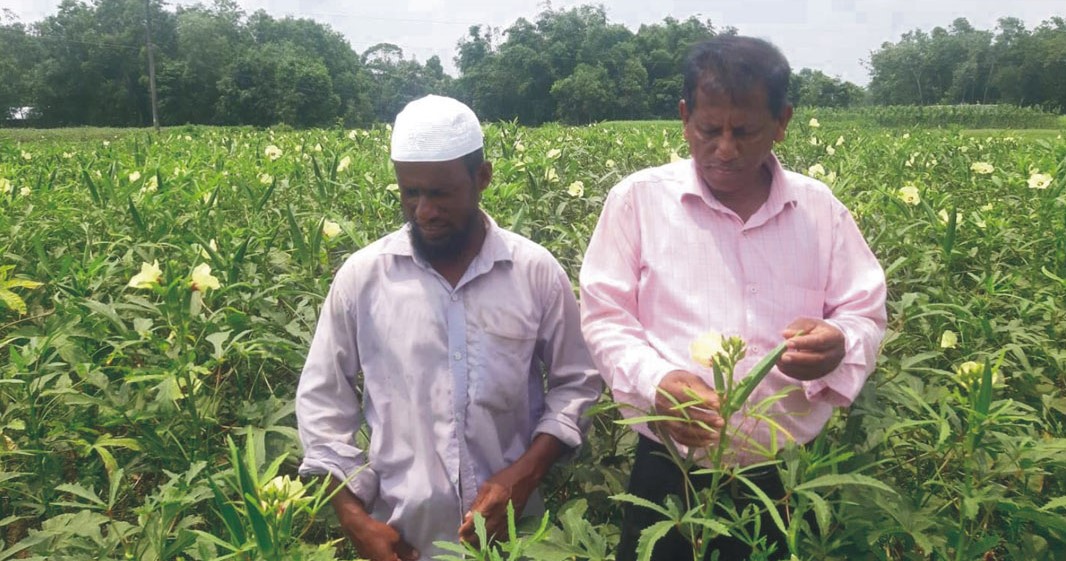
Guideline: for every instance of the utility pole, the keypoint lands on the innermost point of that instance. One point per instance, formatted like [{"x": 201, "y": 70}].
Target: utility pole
[{"x": 151, "y": 62}]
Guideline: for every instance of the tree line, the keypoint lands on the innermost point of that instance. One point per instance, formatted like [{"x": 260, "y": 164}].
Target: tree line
[
  {"x": 962, "y": 64},
  {"x": 87, "y": 65}
]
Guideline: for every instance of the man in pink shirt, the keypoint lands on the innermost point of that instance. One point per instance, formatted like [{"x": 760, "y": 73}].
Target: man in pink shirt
[{"x": 732, "y": 242}]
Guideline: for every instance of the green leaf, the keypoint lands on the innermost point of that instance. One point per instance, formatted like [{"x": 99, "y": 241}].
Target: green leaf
[
  {"x": 12, "y": 301},
  {"x": 842, "y": 480},
  {"x": 651, "y": 536},
  {"x": 79, "y": 491},
  {"x": 1058, "y": 502},
  {"x": 640, "y": 501},
  {"x": 264, "y": 539}
]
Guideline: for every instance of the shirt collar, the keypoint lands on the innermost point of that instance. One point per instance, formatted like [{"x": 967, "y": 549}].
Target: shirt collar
[
  {"x": 782, "y": 192},
  {"x": 495, "y": 247}
]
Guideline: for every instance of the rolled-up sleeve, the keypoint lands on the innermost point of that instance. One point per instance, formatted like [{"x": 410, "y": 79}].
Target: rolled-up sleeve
[
  {"x": 854, "y": 304},
  {"x": 573, "y": 384},
  {"x": 328, "y": 410},
  {"x": 610, "y": 277}
]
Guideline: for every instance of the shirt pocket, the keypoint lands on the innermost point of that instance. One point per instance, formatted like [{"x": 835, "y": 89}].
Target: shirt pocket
[{"x": 501, "y": 381}]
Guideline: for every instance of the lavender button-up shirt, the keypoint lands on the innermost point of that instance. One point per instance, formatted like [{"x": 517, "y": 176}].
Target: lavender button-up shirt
[{"x": 452, "y": 382}]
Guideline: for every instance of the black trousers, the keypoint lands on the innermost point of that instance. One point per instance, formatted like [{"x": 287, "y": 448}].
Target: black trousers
[{"x": 655, "y": 477}]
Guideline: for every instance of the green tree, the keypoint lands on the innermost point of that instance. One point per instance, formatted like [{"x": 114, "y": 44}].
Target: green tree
[
  {"x": 813, "y": 88},
  {"x": 20, "y": 55},
  {"x": 95, "y": 64},
  {"x": 583, "y": 96}
]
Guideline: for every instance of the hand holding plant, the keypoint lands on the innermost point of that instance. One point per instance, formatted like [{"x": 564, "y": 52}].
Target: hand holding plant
[{"x": 815, "y": 348}]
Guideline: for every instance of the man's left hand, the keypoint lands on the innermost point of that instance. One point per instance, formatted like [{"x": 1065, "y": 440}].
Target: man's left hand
[
  {"x": 813, "y": 354},
  {"x": 511, "y": 484},
  {"x": 514, "y": 483}
]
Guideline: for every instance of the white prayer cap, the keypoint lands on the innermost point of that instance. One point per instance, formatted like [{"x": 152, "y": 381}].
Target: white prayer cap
[{"x": 435, "y": 129}]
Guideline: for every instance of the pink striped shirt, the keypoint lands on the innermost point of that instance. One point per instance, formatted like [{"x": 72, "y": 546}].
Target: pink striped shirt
[{"x": 668, "y": 262}]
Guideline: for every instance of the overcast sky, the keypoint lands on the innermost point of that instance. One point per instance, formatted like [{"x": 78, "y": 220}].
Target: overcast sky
[{"x": 833, "y": 36}]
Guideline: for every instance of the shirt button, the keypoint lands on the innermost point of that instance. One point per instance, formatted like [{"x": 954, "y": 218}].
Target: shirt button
[
  {"x": 455, "y": 297},
  {"x": 458, "y": 355},
  {"x": 753, "y": 290}
]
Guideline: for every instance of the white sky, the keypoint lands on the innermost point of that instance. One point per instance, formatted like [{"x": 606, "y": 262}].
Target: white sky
[{"x": 833, "y": 36}]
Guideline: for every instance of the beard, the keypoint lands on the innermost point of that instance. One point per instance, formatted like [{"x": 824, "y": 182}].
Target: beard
[{"x": 445, "y": 248}]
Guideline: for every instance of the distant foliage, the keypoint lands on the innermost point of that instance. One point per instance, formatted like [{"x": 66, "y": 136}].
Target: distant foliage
[
  {"x": 87, "y": 65},
  {"x": 946, "y": 116},
  {"x": 962, "y": 64}
]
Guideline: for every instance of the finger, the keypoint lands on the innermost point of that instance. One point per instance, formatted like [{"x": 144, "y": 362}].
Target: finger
[
  {"x": 801, "y": 324},
  {"x": 406, "y": 552},
  {"x": 814, "y": 342},
  {"x": 466, "y": 529},
  {"x": 691, "y": 435}
]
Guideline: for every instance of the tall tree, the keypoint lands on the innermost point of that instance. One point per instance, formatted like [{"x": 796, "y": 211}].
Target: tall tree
[{"x": 20, "y": 54}]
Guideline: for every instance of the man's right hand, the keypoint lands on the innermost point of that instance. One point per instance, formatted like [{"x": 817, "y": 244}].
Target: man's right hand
[
  {"x": 682, "y": 386},
  {"x": 376, "y": 541}
]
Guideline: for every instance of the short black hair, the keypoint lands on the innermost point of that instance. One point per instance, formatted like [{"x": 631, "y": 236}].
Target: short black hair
[
  {"x": 735, "y": 65},
  {"x": 473, "y": 161}
]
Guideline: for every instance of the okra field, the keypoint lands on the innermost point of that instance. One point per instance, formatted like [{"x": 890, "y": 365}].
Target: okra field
[{"x": 158, "y": 292}]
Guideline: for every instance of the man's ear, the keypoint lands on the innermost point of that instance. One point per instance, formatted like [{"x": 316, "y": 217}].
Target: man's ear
[
  {"x": 782, "y": 123},
  {"x": 483, "y": 176}
]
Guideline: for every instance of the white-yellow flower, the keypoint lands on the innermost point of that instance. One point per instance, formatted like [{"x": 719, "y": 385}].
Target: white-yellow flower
[
  {"x": 840, "y": 140},
  {"x": 392, "y": 187},
  {"x": 343, "y": 164},
  {"x": 24, "y": 192},
  {"x": 830, "y": 150},
  {"x": 1039, "y": 181},
  {"x": 970, "y": 372},
  {"x": 272, "y": 152},
  {"x": 576, "y": 189},
  {"x": 943, "y": 215},
  {"x": 949, "y": 340},
  {"x": 202, "y": 279},
  {"x": 148, "y": 277},
  {"x": 26, "y": 155},
  {"x": 266, "y": 178},
  {"x": 983, "y": 168},
  {"x": 551, "y": 175},
  {"x": 352, "y": 134},
  {"x": 909, "y": 194},
  {"x": 5, "y": 185},
  {"x": 150, "y": 185},
  {"x": 609, "y": 163},
  {"x": 519, "y": 147},
  {"x": 674, "y": 157},
  {"x": 813, "y": 123},
  {"x": 814, "y": 141},
  {"x": 816, "y": 170},
  {"x": 135, "y": 176},
  {"x": 330, "y": 229},
  {"x": 554, "y": 153},
  {"x": 706, "y": 348}
]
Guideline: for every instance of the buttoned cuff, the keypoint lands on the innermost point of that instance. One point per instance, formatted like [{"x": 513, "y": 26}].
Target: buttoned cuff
[
  {"x": 567, "y": 433},
  {"x": 360, "y": 479},
  {"x": 841, "y": 386}
]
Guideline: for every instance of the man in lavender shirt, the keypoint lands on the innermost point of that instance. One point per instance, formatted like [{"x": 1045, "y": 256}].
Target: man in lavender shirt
[
  {"x": 732, "y": 242},
  {"x": 457, "y": 343}
]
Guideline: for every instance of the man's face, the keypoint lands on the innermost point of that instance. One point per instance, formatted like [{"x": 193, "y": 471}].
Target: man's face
[
  {"x": 729, "y": 140},
  {"x": 440, "y": 202}
]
